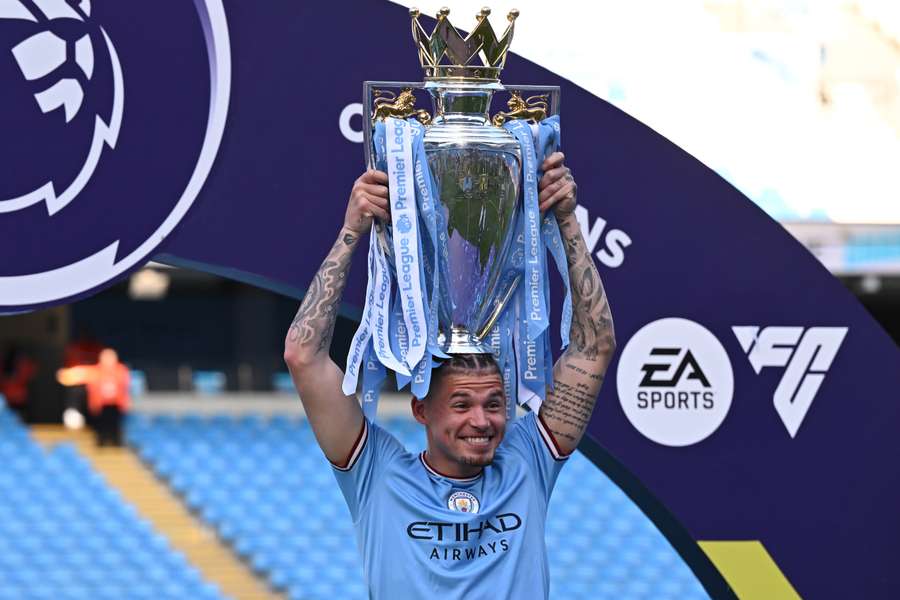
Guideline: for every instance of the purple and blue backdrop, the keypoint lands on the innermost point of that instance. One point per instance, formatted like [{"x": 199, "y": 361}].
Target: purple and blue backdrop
[{"x": 752, "y": 398}]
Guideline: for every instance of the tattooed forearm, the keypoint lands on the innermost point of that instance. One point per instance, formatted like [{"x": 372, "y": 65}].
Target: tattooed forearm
[
  {"x": 578, "y": 375},
  {"x": 592, "y": 327},
  {"x": 313, "y": 326},
  {"x": 568, "y": 417},
  {"x": 569, "y": 406}
]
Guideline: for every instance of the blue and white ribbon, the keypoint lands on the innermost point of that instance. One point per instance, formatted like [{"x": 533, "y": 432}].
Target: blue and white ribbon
[
  {"x": 535, "y": 307},
  {"x": 382, "y": 316},
  {"x": 405, "y": 220},
  {"x": 400, "y": 320},
  {"x": 530, "y": 335}
]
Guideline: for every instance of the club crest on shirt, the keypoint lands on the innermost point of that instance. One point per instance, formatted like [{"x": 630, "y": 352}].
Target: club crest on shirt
[{"x": 461, "y": 501}]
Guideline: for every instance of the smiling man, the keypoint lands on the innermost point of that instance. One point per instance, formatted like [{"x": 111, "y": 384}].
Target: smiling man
[{"x": 465, "y": 518}]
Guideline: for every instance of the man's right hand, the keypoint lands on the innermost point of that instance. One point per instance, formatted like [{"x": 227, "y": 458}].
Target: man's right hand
[{"x": 368, "y": 199}]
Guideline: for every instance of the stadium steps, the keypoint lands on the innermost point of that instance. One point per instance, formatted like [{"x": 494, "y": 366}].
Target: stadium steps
[{"x": 123, "y": 470}]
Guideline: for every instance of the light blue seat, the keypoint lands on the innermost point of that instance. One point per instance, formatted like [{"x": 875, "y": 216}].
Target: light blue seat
[
  {"x": 209, "y": 382},
  {"x": 65, "y": 534},
  {"x": 282, "y": 382}
]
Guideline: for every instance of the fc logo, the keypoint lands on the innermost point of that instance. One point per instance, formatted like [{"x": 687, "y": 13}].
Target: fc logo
[{"x": 807, "y": 355}]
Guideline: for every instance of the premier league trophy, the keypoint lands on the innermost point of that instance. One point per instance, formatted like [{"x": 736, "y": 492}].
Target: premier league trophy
[{"x": 461, "y": 268}]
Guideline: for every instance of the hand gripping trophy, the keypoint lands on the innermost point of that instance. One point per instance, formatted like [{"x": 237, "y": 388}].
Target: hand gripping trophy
[
  {"x": 466, "y": 249},
  {"x": 464, "y": 212}
]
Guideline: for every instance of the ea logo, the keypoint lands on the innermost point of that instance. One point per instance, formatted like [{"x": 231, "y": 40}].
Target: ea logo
[
  {"x": 675, "y": 382},
  {"x": 69, "y": 94},
  {"x": 108, "y": 134}
]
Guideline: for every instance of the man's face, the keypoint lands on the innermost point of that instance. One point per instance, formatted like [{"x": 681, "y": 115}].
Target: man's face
[
  {"x": 108, "y": 357},
  {"x": 465, "y": 419}
]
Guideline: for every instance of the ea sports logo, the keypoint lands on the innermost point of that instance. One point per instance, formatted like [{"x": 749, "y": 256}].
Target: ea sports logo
[
  {"x": 64, "y": 89},
  {"x": 675, "y": 382}
]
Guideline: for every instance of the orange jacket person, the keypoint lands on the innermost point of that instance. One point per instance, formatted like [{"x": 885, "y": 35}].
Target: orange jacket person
[{"x": 107, "y": 391}]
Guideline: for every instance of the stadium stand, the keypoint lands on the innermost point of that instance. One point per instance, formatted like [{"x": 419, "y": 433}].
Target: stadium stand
[
  {"x": 265, "y": 487},
  {"x": 67, "y": 535}
]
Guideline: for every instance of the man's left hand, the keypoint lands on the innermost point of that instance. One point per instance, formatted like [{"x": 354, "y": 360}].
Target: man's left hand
[{"x": 558, "y": 188}]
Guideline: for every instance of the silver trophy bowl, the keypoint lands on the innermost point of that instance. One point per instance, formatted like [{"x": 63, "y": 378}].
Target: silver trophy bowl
[{"x": 476, "y": 167}]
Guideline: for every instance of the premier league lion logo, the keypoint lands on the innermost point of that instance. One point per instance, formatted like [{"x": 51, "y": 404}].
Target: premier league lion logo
[
  {"x": 94, "y": 181},
  {"x": 64, "y": 94}
]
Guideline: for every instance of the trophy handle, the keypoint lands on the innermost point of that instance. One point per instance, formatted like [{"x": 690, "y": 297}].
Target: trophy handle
[
  {"x": 552, "y": 90},
  {"x": 529, "y": 102},
  {"x": 370, "y": 89},
  {"x": 370, "y": 95}
]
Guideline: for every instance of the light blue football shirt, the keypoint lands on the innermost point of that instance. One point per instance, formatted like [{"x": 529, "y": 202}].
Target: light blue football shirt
[{"x": 424, "y": 535}]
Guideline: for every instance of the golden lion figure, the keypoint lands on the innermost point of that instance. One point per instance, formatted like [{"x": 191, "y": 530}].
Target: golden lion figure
[
  {"x": 402, "y": 106},
  {"x": 533, "y": 108}
]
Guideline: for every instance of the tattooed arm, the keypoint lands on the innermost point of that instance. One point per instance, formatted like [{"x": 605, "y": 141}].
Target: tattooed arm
[
  {"x": 579, "y": 372},
  {"x": 336, "y": 419}
]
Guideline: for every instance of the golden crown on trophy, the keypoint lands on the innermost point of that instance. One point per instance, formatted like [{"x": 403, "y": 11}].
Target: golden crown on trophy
[{"x": 445, "y": 54}]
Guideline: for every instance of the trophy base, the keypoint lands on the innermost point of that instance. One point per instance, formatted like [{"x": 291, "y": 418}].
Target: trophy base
[{"x": 462, "y": 342}]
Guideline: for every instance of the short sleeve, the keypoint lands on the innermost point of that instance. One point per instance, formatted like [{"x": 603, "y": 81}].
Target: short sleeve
[
  {"x": 373, "y": 450},
  {"x": 530, "y": 439}
]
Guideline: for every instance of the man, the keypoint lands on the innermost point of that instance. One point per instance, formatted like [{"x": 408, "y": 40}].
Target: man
[
  {"x": 465, "y": 519},
  {"x": 108, "y": 393}
]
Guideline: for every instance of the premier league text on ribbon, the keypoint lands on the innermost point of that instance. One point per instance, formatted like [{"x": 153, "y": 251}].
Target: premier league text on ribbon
[{"x": 405, "y": 219}]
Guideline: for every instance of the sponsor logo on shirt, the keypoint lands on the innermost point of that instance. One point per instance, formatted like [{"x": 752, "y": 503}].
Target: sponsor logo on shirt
[{"x": 490, "y": 535}]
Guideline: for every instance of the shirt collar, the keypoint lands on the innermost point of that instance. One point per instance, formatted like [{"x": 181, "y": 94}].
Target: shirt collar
[{"x": 437, "y": 473}]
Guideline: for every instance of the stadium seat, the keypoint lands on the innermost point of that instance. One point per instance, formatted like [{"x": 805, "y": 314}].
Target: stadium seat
[{"x": 66, "y": 535}]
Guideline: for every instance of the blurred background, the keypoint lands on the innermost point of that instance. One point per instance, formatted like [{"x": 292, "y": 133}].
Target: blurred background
[{"x": 215, "y": 487}]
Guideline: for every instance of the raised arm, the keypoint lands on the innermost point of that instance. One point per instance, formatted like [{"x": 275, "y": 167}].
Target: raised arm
[
  {"x": 579, "y": 372},
  {"x": 336, "y": 419}
]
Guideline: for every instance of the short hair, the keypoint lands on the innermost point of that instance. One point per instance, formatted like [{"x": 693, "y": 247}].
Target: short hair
[{"x": 463, "y": 363}]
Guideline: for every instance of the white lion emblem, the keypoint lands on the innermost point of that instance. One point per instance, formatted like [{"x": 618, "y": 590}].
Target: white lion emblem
[{"x": 46, "y": 55}]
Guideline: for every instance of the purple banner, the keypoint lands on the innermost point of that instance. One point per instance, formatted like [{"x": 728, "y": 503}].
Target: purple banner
[{"x": 752, "y": 397}]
